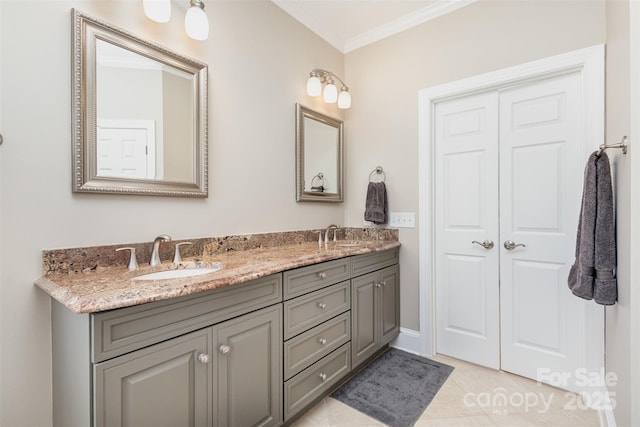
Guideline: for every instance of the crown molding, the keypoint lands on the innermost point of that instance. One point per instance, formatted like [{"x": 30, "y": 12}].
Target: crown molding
[{"x": 406, "y": 22}]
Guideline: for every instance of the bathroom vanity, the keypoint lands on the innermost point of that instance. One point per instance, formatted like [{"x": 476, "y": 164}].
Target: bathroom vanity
[{"x": 243, "y": 353}]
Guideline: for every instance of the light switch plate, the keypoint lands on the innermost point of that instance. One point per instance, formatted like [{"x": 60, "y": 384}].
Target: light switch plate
[{"x": 402, "y": 219}]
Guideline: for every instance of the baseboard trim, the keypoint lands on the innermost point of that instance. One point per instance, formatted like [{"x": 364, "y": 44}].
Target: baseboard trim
[
  {"x": 607, "y": 418},
  {"x": 409, "y": 341}
]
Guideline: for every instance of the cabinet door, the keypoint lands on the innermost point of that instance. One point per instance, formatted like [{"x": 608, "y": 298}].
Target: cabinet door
[
  {"x": 389, "y": 291},
  {"x": 363, "y": 317},
  {"x": 250, "y": 369},
  {"x": 167, "y": 384}
]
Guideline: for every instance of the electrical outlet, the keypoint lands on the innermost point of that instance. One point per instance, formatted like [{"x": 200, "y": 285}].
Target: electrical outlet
[{"x": 402, "y": 219}]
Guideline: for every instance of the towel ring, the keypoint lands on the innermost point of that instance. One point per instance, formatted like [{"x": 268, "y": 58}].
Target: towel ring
[
  {"x": 318, "y": 183},
  {"x": 378, "y": 171}
]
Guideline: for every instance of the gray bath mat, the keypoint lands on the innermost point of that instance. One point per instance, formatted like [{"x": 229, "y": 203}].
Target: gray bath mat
[{"x": 395, "y": 388}]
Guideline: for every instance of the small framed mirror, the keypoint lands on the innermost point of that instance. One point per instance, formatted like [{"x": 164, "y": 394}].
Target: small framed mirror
[
  {"x": 319, "y": 156},
  {"x": 139, "y": 114}
]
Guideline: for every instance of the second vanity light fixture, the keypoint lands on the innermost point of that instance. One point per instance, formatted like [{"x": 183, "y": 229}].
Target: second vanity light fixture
[
  {"x": 318, "y": 77},
  {"x": 196, "y": 23}
]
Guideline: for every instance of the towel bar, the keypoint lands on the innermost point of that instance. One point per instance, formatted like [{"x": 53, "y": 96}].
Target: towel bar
[{"x": 623, "y": 144}]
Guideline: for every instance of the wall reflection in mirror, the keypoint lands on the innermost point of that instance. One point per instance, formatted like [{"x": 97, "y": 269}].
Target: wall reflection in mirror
[
  {"x": 319, "y": 156},
  {"x": 143, "y": 107},
  {"x": 140, "y": 115}
]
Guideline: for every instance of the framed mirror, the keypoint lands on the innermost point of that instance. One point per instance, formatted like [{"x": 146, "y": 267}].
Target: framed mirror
[
  {"x": 139, "y": 114},
  {"x": 319, "y": 156}
]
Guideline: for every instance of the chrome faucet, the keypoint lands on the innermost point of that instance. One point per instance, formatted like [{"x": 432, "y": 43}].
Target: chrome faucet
[
  {"x": 326, "y": 232},
  {"x": 155, "y": 253}
]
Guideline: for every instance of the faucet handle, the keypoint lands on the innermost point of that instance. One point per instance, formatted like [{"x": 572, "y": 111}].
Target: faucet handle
[
  {"x": 133, "y": 262},
  {"x": 176, "y": 256}
]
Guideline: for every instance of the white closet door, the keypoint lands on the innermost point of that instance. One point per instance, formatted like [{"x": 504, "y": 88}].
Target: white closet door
[
  {"x": 540, "y": 193},
  {"x": 466, "y": 204},
  {"x": 508, "y": 168}
]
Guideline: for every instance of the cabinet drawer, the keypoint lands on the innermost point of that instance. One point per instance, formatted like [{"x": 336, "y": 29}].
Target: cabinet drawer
[
  {"x": 310, "y": 310},
  {"x": 311, "y": 383},
  {"x": 120, "y": 331},
  {"x": 361, "y": 264},
  {"x": 307, "y": 279},
  {"x": 313, "y": 345}
]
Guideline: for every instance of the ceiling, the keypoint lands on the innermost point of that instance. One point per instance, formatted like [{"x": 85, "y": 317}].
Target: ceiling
[{"x": 351, "y": 24}]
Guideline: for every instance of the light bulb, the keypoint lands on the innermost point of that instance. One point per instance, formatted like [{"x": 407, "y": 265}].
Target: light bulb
[
  {"x": 196, "y": 23},
  {"x": 314, "y": 87},
  {"x": 157, "y": 10},
  {"x": 344, "y": 99},
  {"x": 330, "y": 94}
]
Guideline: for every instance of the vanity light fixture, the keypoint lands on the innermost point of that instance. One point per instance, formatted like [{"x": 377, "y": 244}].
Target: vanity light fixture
[
  {"x": 157, "y": 10},
  {"x": 196, "y": 22},
  {"x": 318, "y": 77}
]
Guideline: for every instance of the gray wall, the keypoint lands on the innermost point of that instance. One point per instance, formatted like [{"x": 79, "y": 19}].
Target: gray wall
[{"x": 259, "y": 60}]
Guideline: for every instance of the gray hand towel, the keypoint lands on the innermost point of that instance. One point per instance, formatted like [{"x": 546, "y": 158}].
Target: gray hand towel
[
  {"x": 376, "y": 203},
  {"x": 592, "y": 276}
]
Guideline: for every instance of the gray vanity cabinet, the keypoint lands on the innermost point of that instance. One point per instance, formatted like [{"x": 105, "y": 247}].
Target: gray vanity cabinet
[
  {"x": 249, "y": 369},
  {"x": 375, "y": 313},
  {"x": 209, "y": 360},
  {"x": 165, "y": 385},
  {"x": 235, "y": 365}
]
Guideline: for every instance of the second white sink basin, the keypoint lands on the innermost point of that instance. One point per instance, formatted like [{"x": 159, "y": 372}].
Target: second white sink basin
[{"x": 180, "y": 273}]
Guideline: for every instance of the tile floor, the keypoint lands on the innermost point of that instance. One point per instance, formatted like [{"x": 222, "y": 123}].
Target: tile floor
[{"x": 474, "y": 396}]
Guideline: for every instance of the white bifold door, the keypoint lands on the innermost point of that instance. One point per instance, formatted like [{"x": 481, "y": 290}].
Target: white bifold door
[{"x": 508, "y": 182}]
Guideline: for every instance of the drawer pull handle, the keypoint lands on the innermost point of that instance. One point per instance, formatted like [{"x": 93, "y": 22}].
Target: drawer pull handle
[
  {"x": 322, "y": 305},
  {"x": 323, "y": 376},
  {"x": 224, "y": 349},
  {"x": 322, "y": 275},
  {"x": 322, "y": 341},
  {"x": 203, "y": 358}
]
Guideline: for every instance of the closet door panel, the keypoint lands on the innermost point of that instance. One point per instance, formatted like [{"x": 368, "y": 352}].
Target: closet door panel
[
  {"x": 540, "y": 188},
  {"x": 466, "y": 203}
]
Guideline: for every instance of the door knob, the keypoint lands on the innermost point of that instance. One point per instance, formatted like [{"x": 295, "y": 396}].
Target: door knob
[
  {"x": 487, "y": 244},
  {"x": 509, "y": 245}
]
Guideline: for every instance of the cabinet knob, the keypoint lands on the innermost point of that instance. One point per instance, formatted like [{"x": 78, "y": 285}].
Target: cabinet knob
[
  {"x": 322, "y": 376},
  {"x": 322, "y": 275},
  {"x": 378, "y": 285},
  {"x": 224, "y": 349},
  {"x": 383, "y": 283},
  {"x": 322, "y": 305},
  {"x": 203, "y": 358},
  {"x": 322, "y": 341}
]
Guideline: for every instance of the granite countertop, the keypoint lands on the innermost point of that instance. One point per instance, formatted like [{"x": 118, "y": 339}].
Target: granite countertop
[{"x": 109, "y": 288}]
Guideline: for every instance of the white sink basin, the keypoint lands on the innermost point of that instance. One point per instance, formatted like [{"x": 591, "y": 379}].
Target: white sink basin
[{"x": 176, "y": 274}]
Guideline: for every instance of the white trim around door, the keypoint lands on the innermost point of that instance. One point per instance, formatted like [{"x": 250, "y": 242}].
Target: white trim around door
[{"x": 589, "y": 62}]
